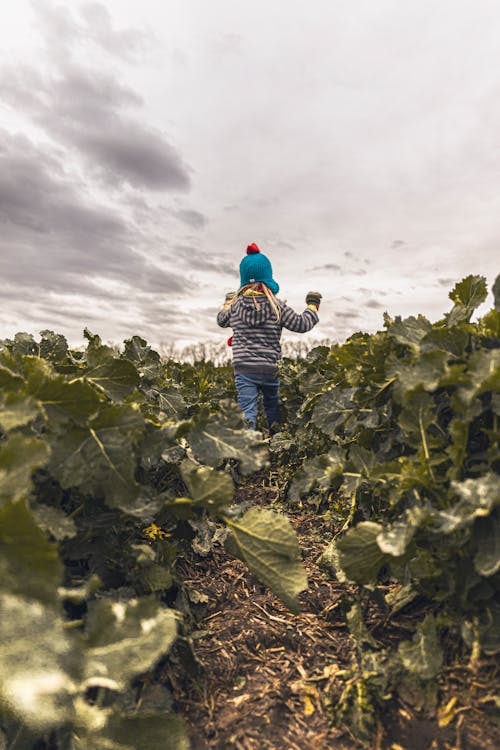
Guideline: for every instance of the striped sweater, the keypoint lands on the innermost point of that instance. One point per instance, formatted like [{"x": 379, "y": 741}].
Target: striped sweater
[{"x": 257, "y": 333}]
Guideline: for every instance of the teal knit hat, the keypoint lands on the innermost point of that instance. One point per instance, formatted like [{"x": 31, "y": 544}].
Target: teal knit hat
[{"x": 256, "y": 267}]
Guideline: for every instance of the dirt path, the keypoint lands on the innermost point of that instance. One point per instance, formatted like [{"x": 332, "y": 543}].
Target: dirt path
[{"x": 267, "y": 676}]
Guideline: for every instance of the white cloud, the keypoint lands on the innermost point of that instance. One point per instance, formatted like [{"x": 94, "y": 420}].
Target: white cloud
[{"x": 356, "y": 143}]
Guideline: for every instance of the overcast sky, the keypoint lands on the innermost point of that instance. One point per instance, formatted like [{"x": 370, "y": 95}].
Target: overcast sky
[{"x": 144, "y": 145}]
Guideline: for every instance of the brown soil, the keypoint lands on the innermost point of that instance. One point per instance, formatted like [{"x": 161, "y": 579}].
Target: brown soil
[{"x": 267, "y": 677}]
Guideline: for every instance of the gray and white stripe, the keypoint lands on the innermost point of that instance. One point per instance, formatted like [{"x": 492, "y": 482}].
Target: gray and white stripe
[{"x": 257, "y": 333}]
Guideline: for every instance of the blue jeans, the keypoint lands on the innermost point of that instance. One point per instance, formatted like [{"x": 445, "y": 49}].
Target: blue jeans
[{"x": 249, "y": 387}]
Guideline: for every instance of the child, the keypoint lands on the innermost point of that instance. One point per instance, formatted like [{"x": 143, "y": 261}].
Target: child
[{"x": 257, "y": 318}]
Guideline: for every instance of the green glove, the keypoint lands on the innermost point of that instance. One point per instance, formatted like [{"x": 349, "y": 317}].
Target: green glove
[{"x": 313, "y": 298}]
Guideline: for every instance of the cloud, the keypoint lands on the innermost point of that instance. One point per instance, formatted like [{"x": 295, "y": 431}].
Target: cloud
[
  {"x": 373, "y": 304},
  {"x": 55, "y": 237},
  {"x": 65, "y": 33},
  {"x": 88, "y": 111},
  {"x": 327, "y": 267},
  {"x": 202, "y": 260},
  {"x": 194, "y": 219}
]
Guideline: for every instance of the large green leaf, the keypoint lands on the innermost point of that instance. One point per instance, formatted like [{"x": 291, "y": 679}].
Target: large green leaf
[
  {"x": 99, "y": 458},
  {"x": 16, "y": 410},
  {"x": 125, "y": 639},
  {"x": 169, "y": 401},
  {"x": 425, "y": 373},
  {"x": 409, "y": 331},
  {"x": 333, "y": 409},
  {"x": 114, "y": 375},
  {"x": 266, "y": 541},
  {"x": 10, "y": 376},
  {"x": 212, "y": 442},
  {"x": 117, "y": 378},
  {"x": 37, "y": 663},
  {"x": 62, "y": 400},
  {"x": 453, "y": 340},
  {"x": 147, "y": 361},
  {"x": 19, "y": 457},
  {"x": 53, "y": 347},
  {"x": 471, "y": 291},
  {"x": 423, "y": 655},
  {"x": 29, "y": 564},
  {"x": 467, "y": 295},
  {"x": 359, "y": 555},
  {"x": 208, "y": 487}
]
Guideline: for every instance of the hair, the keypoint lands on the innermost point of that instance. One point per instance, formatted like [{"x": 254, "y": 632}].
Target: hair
[{"x": 272, "y": 299}]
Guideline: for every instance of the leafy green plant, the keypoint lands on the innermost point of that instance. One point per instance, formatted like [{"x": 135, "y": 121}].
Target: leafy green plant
[
  {"x": 104, "y": 457},
  {"x": 404, "y": 424}
]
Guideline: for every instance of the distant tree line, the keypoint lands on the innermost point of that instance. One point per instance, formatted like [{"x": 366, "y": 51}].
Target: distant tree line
[{"x": 220, "y": 353}]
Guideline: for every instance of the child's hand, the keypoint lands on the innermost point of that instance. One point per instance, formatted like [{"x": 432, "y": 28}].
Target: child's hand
[{"x": 313, "y": 298}]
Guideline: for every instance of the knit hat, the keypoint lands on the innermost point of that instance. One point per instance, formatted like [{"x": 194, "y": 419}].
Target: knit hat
[{"x": 256, "y": 267}]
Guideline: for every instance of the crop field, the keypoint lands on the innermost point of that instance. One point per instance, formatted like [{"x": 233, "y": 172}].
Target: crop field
[{"x": 171, "y": 580}]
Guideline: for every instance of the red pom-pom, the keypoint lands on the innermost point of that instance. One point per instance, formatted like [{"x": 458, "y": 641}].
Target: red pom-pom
[{"x": 251, "y": 249}]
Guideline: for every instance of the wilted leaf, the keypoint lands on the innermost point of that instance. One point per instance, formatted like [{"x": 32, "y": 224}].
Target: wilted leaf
[
  {"x": 318, "y": 472},
  {"x": 487, "y": 536},
  {"x": 36, "y": 662},
  {"x": 19, "y": 457},
  {"x": 267, "y": 542},
  {"x": 357, "y": 626},
  {"x": 54, "y": 521},
  {"x": 124, "y": 639},
  {"x": 359, "y": 554},
  {"x": 486, "y": 628},
  {"x": 29, "y": 564},
  {"x": 423, "y": 655},
  {"x": 477, "y": 498},
  {"x": 210, "y": 488},
  {"x": 211, "y": 443}
]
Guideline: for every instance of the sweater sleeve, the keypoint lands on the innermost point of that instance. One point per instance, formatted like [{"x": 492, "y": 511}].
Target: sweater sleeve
[
  {"x": 298, "y": 322},
  {"x": 223, "y": 318}
]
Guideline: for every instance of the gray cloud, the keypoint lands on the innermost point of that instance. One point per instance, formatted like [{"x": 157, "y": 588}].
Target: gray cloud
[
  {"x": 202, "y": 260},
  {"x": 348, "y": 314},
  {"x": 64, "y": 32},
  {"x": 373, "y": 304},
  {"x": 327, "y": 267},
  {"x": 54, "y": 237},
  {"x": 84, "y": 110},
  {"x": 194, "y": 219}
]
